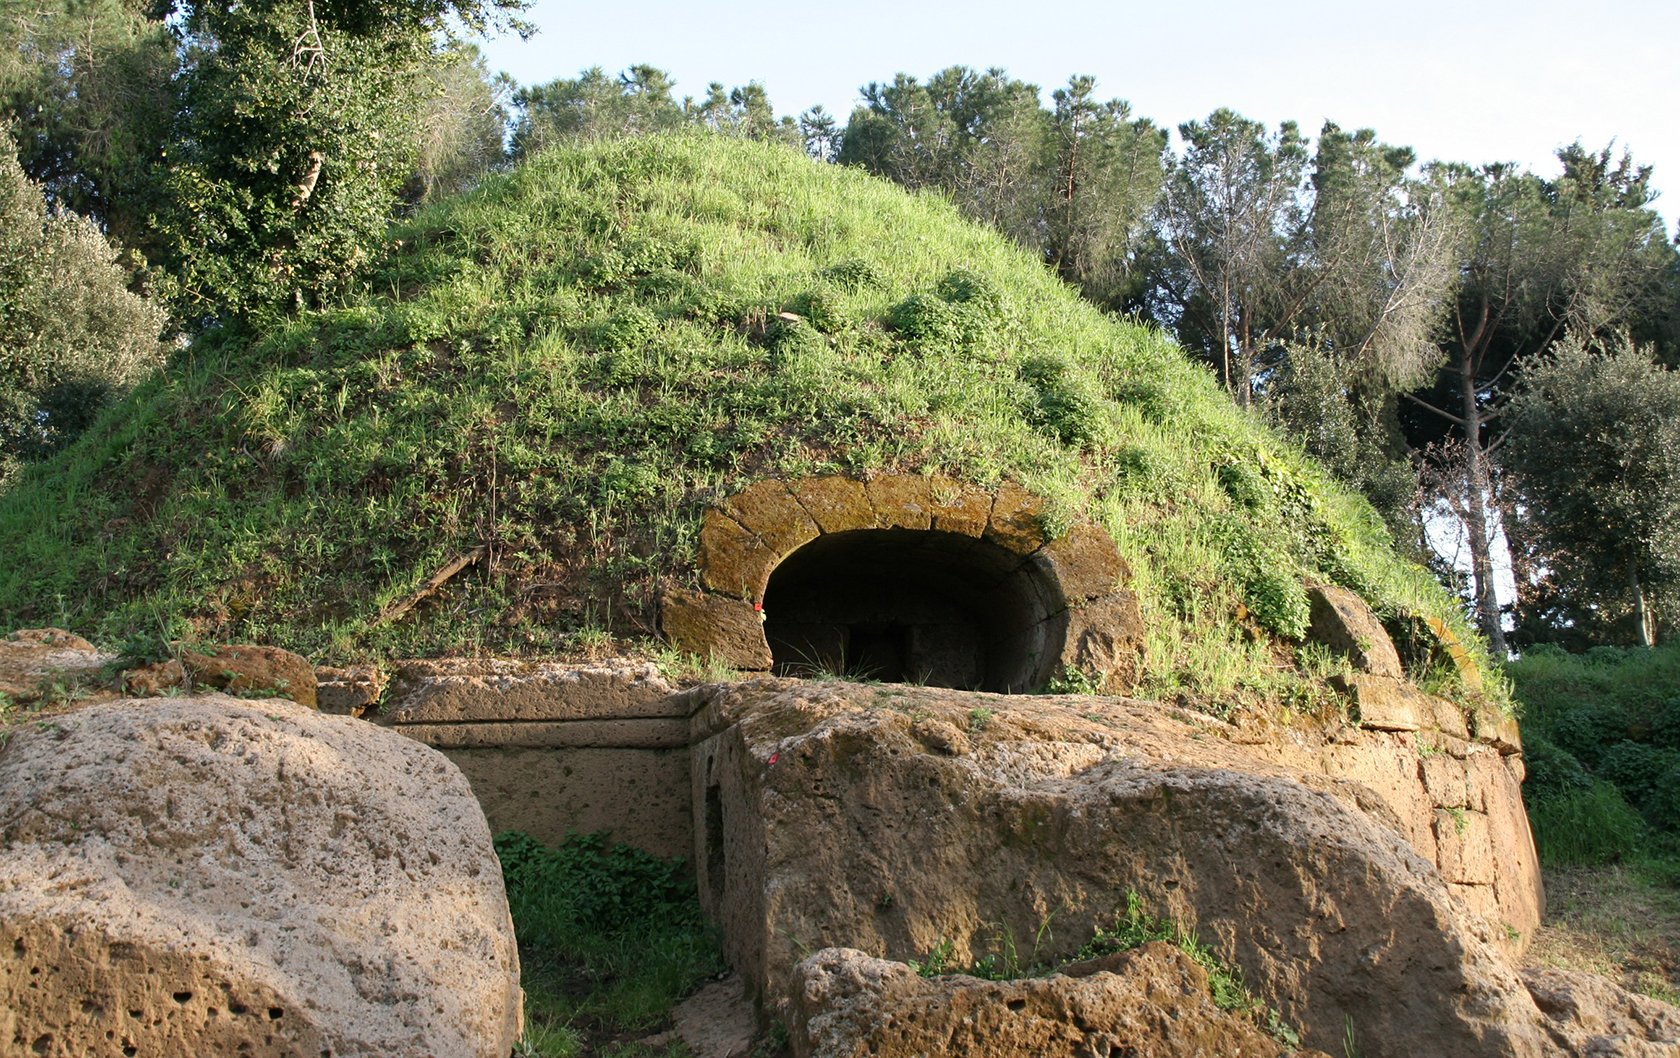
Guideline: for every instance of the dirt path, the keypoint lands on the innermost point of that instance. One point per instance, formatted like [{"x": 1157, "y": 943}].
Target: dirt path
[{"x": 1614, "y": 921}]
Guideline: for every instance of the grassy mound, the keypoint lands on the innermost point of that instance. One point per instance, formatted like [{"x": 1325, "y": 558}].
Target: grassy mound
[{"x": 567, "y": 365}]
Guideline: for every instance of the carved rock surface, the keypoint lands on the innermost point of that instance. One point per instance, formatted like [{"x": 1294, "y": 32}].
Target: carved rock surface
[
  {"x": 34, "y": 660},
  {"x": 1591, "y": 1016},
  {"x": 215, "y": 876},
  {"x": 350, "y": 691},
  {"x": 1343, "y": 621},
  {"x": 846, "y": 815},
  {"x": 1151, "y": 1002},
  {"x": 452, "y": 690}
]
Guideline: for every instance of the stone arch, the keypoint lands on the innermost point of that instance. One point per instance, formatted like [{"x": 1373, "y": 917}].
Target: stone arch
[{"x": 918, "y": 578}]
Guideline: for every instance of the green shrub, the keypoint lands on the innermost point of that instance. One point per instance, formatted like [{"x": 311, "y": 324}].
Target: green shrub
[
  {"x": 1278, "y": 600},
  {"x": 1637, "y": 769},
  {"x": 822, "y": 308},
  {"x": 1662, "y": 804},
  {"x": 971, "y": 289},
  {"x": 1586, "y": 827},
  {"x": 793, "y": 339},
  {"x": 1063, "y": 405},
  {"x": 630, "y": 329},
  {"x": 72, "y": 335},
  {"x": 610, "y": 938},
  {"x": 1665, "y": 724},
  {"x": 587, "y": 883},
  {"x": 853, "y": 274},
  {"x": 1552, "y": 771},
  {"x": 927, "y": 320},
  {"x": 1244, "y": 485},
  {"x": 1587, "y": 731}
]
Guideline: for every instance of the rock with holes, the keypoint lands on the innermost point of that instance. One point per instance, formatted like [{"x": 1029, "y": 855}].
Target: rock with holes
[
  {"x": 41, "y": 664},
  {"x": 836, "y": 814},
  {"x": 1151, "y": 1002},
  {"x": 208, "y": 876},
  {"x": 252, "y": 671}
]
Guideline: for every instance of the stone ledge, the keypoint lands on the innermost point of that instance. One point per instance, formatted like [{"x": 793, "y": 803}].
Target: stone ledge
[
  {"x": 491, "y": 689},
  {"x": 648, "y": 733}
]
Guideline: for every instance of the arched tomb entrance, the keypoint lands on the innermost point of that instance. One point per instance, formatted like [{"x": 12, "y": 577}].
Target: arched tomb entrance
[
  {"x": 914, "y": 606},
  {"x": 906, "y": 578}
]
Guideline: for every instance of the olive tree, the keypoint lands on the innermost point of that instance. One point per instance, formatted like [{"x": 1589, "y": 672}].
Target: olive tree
[
  {"x": 1593, "y": 449},
  {"x": 71, "y": 332}
]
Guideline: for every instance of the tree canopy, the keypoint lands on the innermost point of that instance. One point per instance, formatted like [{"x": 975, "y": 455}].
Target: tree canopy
[
  {"x": 71, "y": 333},
  {"x": 1593, "y": 446}
]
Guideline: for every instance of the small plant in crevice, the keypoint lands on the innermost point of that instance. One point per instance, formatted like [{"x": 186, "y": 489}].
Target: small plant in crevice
[
  {"x": 1073, "y": 681},
  {"x": 1131, "y": 928},
  {"x": 1135, "y": 927}
]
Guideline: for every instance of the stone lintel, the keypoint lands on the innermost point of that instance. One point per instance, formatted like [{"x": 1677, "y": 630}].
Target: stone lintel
[
  {"x": 768, "y": 510},
  {"x": 836, "y": 504}
]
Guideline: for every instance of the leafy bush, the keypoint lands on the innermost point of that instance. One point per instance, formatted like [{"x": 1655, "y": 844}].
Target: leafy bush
[
  {"x": 792, "y": 339},
  {"x": 1637, "y": 770},
  {"x": 610, "y": 938},
  {"x": 72, "y": 335},
  {"x": 1586, "y": 827},
  {"x": 1665, "y": 724},
  {"x": 822, "y": 309},
  {"x": 1278, "y": 600},
  {"x": 1244, "y": 485},
  {"x": 973, "y": 290},
  {"x": 853, "y": 274},
  {"x": 1589, "y": 730},
  {"x": 591, "y": 884},
  {"x": 927, "y": 320},
  {"x": 1552, "y": 772},
  {"x": 1602, "y": 738}
]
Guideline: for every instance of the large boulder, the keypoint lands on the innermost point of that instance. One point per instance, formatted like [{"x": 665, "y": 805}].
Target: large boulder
[
  {"x": 901, "y": 820},
  {"x": 217, "y": 876},
  {"x": 1151, "y": 1002}
]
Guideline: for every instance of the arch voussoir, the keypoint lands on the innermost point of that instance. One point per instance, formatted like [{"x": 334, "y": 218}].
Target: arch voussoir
[{"x": 949, "y": 578}]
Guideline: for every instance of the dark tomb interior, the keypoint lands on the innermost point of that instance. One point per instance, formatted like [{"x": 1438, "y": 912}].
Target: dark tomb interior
[{"x": 913, "y": 606}]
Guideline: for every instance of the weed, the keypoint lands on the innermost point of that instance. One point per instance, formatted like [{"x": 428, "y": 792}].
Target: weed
[
  {"x": 1350, "y": 1041},
  {"x": 937, "y": 962},
  {"x": 978, "y": 718},
  {"x": 610, "y": 938},
  {"x": 1073, "y": 681},
  {"x": 1135, "y": 927},
  {"x": 1131, "y": 928}
]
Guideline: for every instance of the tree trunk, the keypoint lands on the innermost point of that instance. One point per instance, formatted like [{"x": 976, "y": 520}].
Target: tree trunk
[
  {"x": 1642, "y": 611},
  {"x": 1475, "y": 510}
]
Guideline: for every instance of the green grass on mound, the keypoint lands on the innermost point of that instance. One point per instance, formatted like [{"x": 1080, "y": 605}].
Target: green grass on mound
[{"x": 568, "y": 364}]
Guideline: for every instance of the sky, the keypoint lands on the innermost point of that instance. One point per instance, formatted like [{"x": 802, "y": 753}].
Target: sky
[{"x": 1473, "y": 80}]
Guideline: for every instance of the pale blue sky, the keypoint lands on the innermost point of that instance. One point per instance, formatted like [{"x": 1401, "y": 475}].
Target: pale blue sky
[{"x": 1473, "y": 80}]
